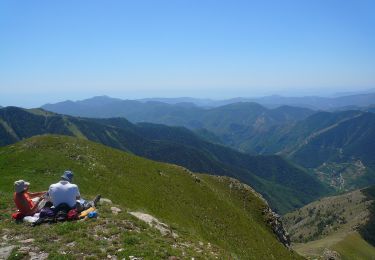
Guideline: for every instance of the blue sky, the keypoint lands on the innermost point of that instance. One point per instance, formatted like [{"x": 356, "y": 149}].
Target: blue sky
[{"x": 56, "y": 50}]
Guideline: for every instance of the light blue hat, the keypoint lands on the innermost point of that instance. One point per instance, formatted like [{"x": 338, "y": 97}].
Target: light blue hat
[{"x": 68, "y": 176}]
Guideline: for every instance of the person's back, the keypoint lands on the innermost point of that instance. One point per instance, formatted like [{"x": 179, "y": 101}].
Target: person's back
[
  {"x": 64, "y": 192},
  {"x": 24, "y": 199},
  {"x": 24, "y": 203}
]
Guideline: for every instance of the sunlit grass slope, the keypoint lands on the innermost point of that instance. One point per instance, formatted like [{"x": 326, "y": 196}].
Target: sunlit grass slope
[{"x": 199, "y": 207}]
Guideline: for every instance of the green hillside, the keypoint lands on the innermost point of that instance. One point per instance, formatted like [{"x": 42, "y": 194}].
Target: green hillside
[
  {"x": 342, "y": 152},
  {"x": 337, "y": 147},
  {"x": 342, "y": 223},
  {"x": 198, "y": 207},
  {"x": 283, "y": 184}
]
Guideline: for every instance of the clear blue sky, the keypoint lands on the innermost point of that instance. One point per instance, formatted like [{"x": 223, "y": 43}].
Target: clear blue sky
[{"x": 57, "y": 50}]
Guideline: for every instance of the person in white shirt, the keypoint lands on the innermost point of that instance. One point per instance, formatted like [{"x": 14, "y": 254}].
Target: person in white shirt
[{"x": 64, "y": 191}]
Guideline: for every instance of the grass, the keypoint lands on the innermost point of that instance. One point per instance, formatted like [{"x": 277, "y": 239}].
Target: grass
[
  {"x": 348, "y": 245},
  {"x": 200, "y": 208},
  {"x": 354, "y": 247},
  {"x": 120, "y": 236}
]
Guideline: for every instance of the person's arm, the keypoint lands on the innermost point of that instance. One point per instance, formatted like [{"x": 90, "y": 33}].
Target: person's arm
[
  {"x": 78, "y": 195},
  {"x": 36, "y": 194},
  {"x": 35, "y": 205}
]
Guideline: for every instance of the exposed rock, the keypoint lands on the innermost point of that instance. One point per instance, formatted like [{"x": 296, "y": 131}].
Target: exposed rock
[
  {"x": 155, "y": 223},
  {"x": 71, "y": 244},
  {"x": 24, "y": 250},
  {"x": 6, "y": 251},
  {"x": 105, "y": 201},
  {"x": 331, "y": 255},
  {"x": 115, "y": 210},
  {"x": 38, "y": 256},
  {"x": 27, "y": 241},
  {"x": 135, "y": 258},
  {"x": 235, "y": 184},
  {"x": 274, "y": 220}
]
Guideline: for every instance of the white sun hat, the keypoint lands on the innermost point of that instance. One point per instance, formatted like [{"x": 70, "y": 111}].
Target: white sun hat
[{"x": 21, "y": 185}]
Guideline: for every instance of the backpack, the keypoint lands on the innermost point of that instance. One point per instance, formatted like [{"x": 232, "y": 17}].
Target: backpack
[
  {"x": 72, "y": 214},
  {"x": 62, "y": 212},
  {"x": 46, "y": 213},
  {"x": 61, "y": 215}
]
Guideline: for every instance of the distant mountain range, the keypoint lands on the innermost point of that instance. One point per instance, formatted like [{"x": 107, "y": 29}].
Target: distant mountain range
[
  {"x": 283, "y": 184},
  {"x": 234, "y": 125},
  {"x": 359, "y": 99},
  {"x": 337, "y": 146},
  {"x": 312, "y": 102},
  {"x": 370, "y": 108}
]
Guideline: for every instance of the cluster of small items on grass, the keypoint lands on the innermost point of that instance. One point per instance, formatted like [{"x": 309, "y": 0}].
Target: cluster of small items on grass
[{"x": 114, "y": 234}]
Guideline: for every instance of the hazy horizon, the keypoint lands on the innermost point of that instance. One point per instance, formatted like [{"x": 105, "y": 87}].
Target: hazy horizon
[
  {"x": 53, "y": 51},
  {"x": 27, "y": 101}
]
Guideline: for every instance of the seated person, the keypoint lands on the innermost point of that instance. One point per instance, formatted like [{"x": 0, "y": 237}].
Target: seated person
[
  {"x": 27, "y": 202},
  {"x": 64, "y": 192}
]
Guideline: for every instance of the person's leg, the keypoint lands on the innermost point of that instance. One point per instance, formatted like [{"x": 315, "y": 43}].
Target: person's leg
[
  {"x": 83, "y": 204},
  {"x": 97, "y": 199}
]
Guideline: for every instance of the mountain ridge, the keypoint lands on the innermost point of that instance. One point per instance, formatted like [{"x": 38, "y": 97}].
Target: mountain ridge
[
  {"x": 312, "y": 102},
  {"x": 198, "y": 207},
  {"x": 234, "y": 124},
  {"x": 283, "y": 184}
]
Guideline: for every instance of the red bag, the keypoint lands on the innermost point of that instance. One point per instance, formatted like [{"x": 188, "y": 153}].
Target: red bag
[
  {"x": 17, "y": 215},
  {"x": 72, "y": 214}
]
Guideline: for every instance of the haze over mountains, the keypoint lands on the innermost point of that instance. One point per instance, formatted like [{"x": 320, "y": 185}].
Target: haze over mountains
[
  {"x": 359, "y": 99},
  {"x": 312, "y": 102}
]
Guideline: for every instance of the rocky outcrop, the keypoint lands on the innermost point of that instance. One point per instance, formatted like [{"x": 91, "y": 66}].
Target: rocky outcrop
[
  {"x": 274, "y": 220},
  {"x": 5, "y": 251},
  {"x": 331, "y": 255},
  {"x": 155, "y": 223}
]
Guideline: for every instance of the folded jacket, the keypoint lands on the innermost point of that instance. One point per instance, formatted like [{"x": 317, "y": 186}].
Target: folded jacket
[{"x": 86, "y": 212}]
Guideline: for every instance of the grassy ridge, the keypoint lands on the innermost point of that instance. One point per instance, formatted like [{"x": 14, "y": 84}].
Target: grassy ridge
[
  {"x": 204, "y": 208},
  {"x": 284, "y": 185},
  {"x": 354, "y": 247}
]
